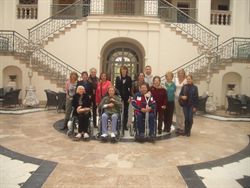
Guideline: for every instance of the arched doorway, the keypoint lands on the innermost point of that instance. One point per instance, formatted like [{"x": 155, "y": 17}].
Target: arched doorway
[
  {"x": 116, "y": 54},
  {"x": 231, "y": 83},
  {"x": 12, "y": 78}
]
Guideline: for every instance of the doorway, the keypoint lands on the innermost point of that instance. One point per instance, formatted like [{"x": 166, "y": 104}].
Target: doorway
[{"x": 122, "y": 53}]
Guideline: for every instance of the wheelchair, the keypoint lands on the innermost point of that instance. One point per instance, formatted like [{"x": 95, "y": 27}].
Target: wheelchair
[
  {"x": 73, "y": 125},
  {"x": 119, "y": 128},
  {"x": 134, "y": 131}
]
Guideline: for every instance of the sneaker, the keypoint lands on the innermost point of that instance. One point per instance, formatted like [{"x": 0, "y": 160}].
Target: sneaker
[
  {"x": 86, "y": 135},
  {"x": 104, "y": 135},
  {"x": 79, "y": 135},
  {"x": 168, "y": 133},
  {"x": 112, "y": 135}
]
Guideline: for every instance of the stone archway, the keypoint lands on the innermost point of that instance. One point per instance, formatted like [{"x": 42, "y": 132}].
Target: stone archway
[
  {"x": 122, "y": 51},
  {"x": 12, "y": 77},
  {"x": 231, "y": 85}
]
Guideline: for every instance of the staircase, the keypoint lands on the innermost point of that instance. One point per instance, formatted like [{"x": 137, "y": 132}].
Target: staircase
[
  {"x": 63, "y": 21},
  {"x": 215, "y": 59},
  {"x": 47, "y": 65},
  {"x": 186, "y": 26}
]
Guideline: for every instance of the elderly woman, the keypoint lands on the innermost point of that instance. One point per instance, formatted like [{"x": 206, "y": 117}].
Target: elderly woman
[
  {"x": 81, "y": 103},
  {"x": 181, "y": 81},
  {"x": 70, "y": 88},
  {"x": 111, "y": 105},
  {"x": 102, "y": 88},
  {"x": 168, "y": 116},
  {"x": 137, "y": 84},
  {"x": 160, "y": 96}
]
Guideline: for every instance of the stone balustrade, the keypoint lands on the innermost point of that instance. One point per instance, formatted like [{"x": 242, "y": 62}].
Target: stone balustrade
[{"x": 219, "y": 17}]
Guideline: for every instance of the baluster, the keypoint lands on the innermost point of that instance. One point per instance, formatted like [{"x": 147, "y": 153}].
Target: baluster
[{"x": 226, "y": 19}]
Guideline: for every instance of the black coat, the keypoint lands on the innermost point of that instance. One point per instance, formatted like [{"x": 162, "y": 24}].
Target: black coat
[
  {"x": 87, "y": 85},
  {"x": 124, "y": 85},
  {"x": 85, "y": 100}
]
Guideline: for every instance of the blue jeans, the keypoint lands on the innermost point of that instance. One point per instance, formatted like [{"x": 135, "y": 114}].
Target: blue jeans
[
  {"x": 140, "y": 123},
  {"x": 114, "y": 119},
  {"x": 188, "y": 113}
]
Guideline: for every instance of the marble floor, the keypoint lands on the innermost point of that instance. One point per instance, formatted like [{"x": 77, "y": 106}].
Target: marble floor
[{"x": 34, "y": 154}]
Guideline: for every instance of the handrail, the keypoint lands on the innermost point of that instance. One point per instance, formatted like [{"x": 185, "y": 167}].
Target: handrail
[
  {"x": 187, "y": 24},
  {"x": 227, "y": 50},
  {"x": 60, "y": 20},
  {"x": 41, "y": 58}
]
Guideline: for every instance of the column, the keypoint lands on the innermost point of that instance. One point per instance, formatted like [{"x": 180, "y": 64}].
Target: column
[{"x": 204, "y": 11}]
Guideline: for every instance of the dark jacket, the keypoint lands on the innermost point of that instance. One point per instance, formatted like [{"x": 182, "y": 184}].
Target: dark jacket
[
  {"x": 124, "y": 85},
  {"x": 160, "y": 96},
  {"x": 87, "y": 85},
  {"x": 83, "y": 101},
  {"x": 191, "y": 91}
]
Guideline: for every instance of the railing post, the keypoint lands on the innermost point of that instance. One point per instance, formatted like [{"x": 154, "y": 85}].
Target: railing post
[{"x": 13, "y": 42}]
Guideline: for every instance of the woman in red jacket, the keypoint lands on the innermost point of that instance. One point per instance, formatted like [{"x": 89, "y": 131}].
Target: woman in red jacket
[
  {"x": 159, "y": 94},
  {"x": 102, "y": 88}
]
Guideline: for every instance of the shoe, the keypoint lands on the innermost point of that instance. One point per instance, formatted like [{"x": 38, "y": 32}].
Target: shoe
[
  {"x": 159, "y": 131},
  {"x": 79, "y": 135},
  {"x": 95, "y": 126},
  {"x": 112, "y": 135},
  {"x": 188, "y": 134},
  {"x": 104, "y": 135},
  {"x": 168, "y": 132},
  {"x": 86, "y": 135}
]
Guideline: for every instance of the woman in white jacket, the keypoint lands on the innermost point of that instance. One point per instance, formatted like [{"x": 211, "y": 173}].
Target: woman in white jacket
[{"x": 181, "y": 80}]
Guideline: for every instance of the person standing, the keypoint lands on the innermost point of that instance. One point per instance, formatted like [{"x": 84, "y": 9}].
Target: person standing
[
  {"x": 137, "y": 83},
  {"x": 102, "y": 88},
  {"x": 189, "y": 95},
  {"x": 123, "y": 84},
  {"x": 160, "y": 96},
  {"x": 148, "y": 75},
  {"x": 93, "y": 79},
  {"x": 70, "y": 88},
  {"x": 169, "y": 112},
  {"x": 180, "y": 82},
  {"x": 85, "y": 83}
]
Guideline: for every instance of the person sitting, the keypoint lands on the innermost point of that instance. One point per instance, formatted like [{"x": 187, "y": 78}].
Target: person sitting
[
  {"x": 81, "y": 103},
  {"x": 144, "y": 103},
  {"x": 111, "y": 105}
]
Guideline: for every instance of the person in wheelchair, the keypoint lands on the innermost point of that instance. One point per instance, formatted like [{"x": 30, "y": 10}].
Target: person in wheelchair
[
  {"x": 143, "y": 103},
  {"x": 110, "y": 107},
  {"x": 81, "y": 104}
]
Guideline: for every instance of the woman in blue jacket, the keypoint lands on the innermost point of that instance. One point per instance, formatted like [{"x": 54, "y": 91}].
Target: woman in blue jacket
[{"x": 189, "y": 96}]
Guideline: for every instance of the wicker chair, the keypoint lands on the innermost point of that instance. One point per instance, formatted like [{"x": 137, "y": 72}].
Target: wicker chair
[
  {"x": 11, "y": 98},
  {"x": 202, "y": 103},
  {"x": 61, "y": 96},
  {"x": 52, "y": 99},
  {"x": 234, "y": 105}
]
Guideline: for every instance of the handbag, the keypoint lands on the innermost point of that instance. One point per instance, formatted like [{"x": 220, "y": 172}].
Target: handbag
[{"x": 181, "y": 101}]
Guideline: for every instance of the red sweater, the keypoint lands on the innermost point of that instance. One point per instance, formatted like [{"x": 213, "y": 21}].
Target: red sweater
[
  {"x": 101, "y": 90},
  {"x": 160, "y": 96}
]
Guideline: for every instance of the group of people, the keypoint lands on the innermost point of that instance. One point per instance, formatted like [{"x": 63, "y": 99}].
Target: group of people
[{"x": 147, "y": 95}]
